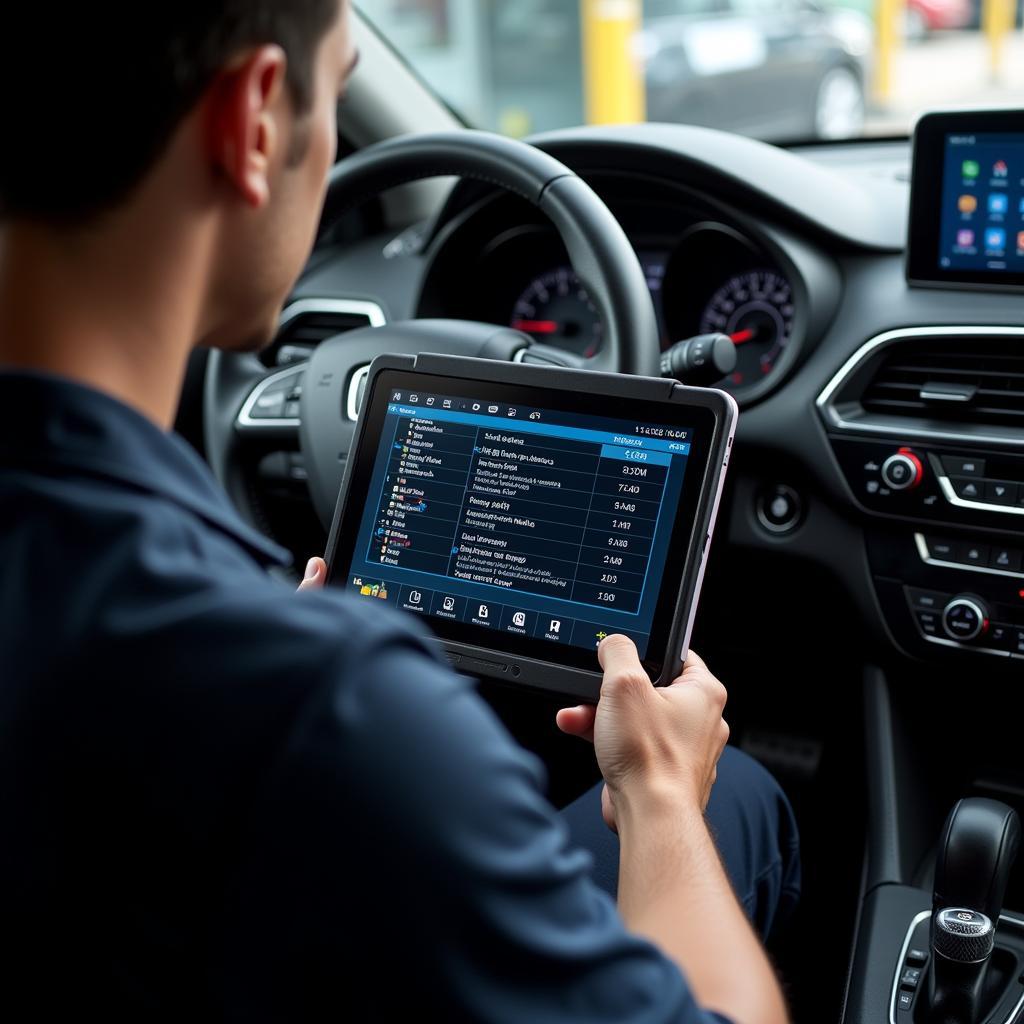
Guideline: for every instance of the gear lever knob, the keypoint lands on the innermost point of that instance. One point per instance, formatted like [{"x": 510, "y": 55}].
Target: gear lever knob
[
  {"x": 977, "y": 850},
  {"x": 962, "y": 944}
]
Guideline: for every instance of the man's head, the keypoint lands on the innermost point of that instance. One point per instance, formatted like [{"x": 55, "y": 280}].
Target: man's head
[{"x": 225, "y": 105}]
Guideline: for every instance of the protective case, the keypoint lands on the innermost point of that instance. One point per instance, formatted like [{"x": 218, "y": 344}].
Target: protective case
[{"x": 576, "y": 683}]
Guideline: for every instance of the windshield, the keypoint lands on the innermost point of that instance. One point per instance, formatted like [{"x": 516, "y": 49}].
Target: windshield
[{"x": 780, "y": 70}]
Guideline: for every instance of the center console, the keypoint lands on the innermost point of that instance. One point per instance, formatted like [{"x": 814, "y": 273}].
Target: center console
[{"x": 927, "y": 426}]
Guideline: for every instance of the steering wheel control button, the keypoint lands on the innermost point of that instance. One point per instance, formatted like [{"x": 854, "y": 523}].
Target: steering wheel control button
[
  {"x": 964, "y": 619},
  {"x": 902, "y": 471},
  {"x": 779, "y": 509}
]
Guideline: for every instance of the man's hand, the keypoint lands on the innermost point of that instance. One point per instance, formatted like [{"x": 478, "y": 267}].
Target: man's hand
[
  {"x": 652, "y": 741},
  {"x": 316, "y": 575}
]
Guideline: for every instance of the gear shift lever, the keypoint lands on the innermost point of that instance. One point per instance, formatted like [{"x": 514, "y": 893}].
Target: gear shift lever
[
  {"x": 978, "y": 847},
  {"x": 977, "y": 850}
]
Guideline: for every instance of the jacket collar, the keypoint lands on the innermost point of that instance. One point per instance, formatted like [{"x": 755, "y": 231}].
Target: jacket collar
[{"x": 55, "y": 424}]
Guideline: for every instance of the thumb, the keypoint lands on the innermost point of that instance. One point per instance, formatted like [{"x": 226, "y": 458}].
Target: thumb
[{"x": 316, "y": 574}]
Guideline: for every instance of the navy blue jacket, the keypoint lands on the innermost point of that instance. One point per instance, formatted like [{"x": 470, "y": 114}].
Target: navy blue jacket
[{"x": 223, "y": 800}]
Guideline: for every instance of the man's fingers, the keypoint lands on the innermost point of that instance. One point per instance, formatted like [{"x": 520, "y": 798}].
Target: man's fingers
[
  {"x": 578, "y": 721},
  {"x": 315, "y": 576}
]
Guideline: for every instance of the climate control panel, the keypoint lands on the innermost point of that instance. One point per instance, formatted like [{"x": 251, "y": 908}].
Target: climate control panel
[{"x": 932, "y": 483}]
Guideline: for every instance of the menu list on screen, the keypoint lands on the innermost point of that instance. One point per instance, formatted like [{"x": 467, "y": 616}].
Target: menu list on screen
[{"x": 528, "y": 521}]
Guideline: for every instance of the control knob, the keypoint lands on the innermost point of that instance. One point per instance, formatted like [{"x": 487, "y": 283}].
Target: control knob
[
  {"x": 965, "y": 617},
  {"x": 902, "y": 470}
]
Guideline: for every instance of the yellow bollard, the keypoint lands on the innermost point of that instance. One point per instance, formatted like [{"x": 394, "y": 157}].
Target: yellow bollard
[
  {"x": 997, "y": 19},
  {"x": 888, "y": 34},
  {"x": 613, "y": 78}
]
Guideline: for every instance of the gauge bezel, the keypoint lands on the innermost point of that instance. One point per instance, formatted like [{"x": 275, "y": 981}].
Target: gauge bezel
[{"x": 747, "y": 254}]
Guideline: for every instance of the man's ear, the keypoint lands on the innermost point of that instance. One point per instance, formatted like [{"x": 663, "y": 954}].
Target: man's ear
[{"x": 244, "y": 120}]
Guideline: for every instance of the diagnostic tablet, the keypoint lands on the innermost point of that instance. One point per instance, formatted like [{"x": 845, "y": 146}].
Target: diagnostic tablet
[{"x": 526, "y": 512}]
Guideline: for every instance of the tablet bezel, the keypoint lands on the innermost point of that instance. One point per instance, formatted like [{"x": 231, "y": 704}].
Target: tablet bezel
[{"x": 527, "y": 660}]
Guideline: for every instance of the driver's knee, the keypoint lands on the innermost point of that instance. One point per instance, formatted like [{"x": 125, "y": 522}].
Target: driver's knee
[{"x": 754, "y": 827}]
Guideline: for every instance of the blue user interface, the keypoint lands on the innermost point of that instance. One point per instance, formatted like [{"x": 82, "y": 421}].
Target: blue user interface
[
  {"x": 982, "y": 221},
  {"x": 532, "y": 522}
]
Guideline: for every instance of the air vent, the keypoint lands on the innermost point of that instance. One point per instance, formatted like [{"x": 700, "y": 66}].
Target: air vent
[
  {"x": 975, "y": 381},
  {"x": 950, "y": 383},
  {"x": 308, "y": 322}
]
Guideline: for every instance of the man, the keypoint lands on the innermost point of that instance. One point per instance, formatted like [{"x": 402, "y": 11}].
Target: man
[{"x": 220, "y": 801}]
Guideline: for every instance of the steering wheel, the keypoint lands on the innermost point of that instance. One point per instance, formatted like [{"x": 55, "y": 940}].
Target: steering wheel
[{"x": 330, "y": 383}]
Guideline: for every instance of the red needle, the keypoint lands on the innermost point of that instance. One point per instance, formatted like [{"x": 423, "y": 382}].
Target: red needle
[
  {"x": 536, "y": 326},
  {"x": 741, "y": 336}
]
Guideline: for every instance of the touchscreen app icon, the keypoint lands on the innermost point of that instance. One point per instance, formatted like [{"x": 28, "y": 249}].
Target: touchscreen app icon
[
  {"x": 971, "y": 168},
  {"x": 484, "y": 612},
  {"x": 449, "y": 604},
  {"x": 967, "y": 204},
  {"x": 965, "y": 238},
  {"x": 999, "y": 169},
  {"x": 519, "y": 619},
  {"x": 1020, "y": 242},
  {"x": 415, "y": 597},
  {"x": 995, "y": 239},
  {"x": 998, "y": 202},
  {"x": 555, "y": 627}
]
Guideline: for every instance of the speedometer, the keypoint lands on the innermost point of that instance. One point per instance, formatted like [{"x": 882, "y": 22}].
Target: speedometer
[
  {"x": 756, "y": 310},
  {"x": 556, "y": 309}
]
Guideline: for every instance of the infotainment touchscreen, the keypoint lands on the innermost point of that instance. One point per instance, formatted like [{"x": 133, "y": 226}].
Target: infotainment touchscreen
[
  {"x": 967, "y": 200},
  {"x": 983, "y": 202},
  {"x": 522, "y": 520}
]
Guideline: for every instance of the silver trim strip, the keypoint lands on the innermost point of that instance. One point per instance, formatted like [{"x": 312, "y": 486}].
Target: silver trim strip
[
  {"x": 954, "y": 499},
  {"x": 1014, "y": 922},
  {"x": 923, "y": 916},
  {"x": 245, "y": 419},
  {"x": 832, "y": 417},
  {"x": 352, "y": 307},
  {"x": 356, "y": 387},
  {"x": 926, "y": 556}
]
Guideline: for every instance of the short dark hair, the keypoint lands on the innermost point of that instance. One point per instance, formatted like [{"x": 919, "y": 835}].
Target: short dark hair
[{"x": 91, "y": 94}]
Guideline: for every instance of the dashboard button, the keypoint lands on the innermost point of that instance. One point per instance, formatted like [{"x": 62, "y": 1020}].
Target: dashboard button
[
  {"x": 1001, "y": 637},
  {"x": 958, "y": 466},
  {"x": 902, "y": 471},
  {"x": 969, "y": 490},
  {"x": 927, "y": 600},
  {"x": 905, "y": 1000},
  {"x": 1008, "y": 559},
  {"x": 779, "y": 509},
  {"x": 928, "y": 622},
  {"x": 1000, "y": 492},
  {"x": 964, "y": 618},
  {"x": 943, "y": 550},
  {"x": 972, "y": 554},
  {"x": 1017, "y": 641}
]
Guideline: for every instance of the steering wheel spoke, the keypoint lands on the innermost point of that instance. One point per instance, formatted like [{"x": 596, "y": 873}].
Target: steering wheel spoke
[{"x": 273, "y": 405}]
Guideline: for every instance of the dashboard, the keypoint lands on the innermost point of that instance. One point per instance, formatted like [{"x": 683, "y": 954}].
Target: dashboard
[
  {"x": 843, "y": 366},
  {"x": 706, "y": 270}
]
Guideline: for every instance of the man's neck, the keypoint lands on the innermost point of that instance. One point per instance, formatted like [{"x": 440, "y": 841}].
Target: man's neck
[{"x": 118, "y": 313}]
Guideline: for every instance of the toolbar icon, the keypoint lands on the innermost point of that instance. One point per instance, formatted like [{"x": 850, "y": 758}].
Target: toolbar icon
[{"x": 492, "y": 408}]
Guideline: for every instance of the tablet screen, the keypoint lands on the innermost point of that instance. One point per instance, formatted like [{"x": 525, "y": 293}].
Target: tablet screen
[{"x": 539, "y": 524}]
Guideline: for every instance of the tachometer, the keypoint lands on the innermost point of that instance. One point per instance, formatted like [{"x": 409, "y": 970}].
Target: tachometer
[
  {"x": 556, "y": 309},
  {"x": 756, "y": 310}
]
